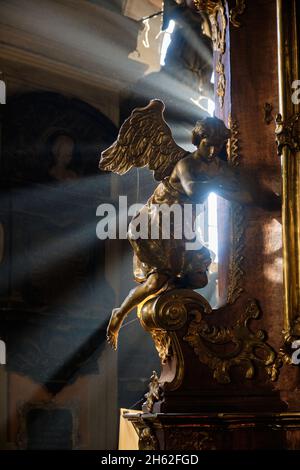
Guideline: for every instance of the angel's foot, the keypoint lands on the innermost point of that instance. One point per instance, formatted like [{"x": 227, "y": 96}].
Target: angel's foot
[{"x": 113, "y": 328}]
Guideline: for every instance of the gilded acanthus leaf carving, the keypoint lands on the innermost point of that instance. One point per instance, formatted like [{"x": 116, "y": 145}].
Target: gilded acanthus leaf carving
[
  {"x": 162, "y": 341},
  {"x": 247, "y": 348}
]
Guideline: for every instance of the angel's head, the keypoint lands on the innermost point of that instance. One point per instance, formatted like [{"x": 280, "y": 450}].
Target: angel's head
[{"x": 210, "y": 136}]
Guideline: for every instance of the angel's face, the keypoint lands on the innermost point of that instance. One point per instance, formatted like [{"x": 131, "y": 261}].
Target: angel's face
[{"x": 208, "y": 149}]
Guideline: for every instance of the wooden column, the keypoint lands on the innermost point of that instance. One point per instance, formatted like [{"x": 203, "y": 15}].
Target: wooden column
[{"x": 289, "y": 149}]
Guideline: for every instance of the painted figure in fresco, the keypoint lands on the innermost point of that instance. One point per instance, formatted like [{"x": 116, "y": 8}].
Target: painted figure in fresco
[
  {"x": 185, "y": 178},
  {"x": 62, "y": 153}
]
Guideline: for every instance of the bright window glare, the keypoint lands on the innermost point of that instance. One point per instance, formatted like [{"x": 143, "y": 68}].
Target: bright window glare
[
  {"x": 166, "y": 41},
  {"x": 210, "y": 104},
  {"x": 212, "y": 207},
  {"x": 211, "y": 107}
]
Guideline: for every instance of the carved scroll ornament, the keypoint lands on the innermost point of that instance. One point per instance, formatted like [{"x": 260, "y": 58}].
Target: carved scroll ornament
[
  {"x": 243, "y": 347},
  {"x": 249, "y": 348},
  {"x": 217, "y": 17}
]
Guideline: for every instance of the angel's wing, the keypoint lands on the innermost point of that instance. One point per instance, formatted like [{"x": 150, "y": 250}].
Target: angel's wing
[{"x": 144, "y": 139}]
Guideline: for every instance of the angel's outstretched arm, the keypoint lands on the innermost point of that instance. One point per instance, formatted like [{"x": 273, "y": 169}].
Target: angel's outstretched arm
[
  {"x": 242, "y": 189},
  {"x": 194, "y": 188},
  {"x": 240, "y": 196},
  {"x": 249, "y": 191}
]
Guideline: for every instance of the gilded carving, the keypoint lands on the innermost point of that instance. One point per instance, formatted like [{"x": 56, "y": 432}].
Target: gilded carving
[
  {"x": 172, "y": 314},
  {"x": 233, "y": 143},
  {"x": 155, "y": 392},
  {"x": 209, "y": 6},
  {"x": 287, "y": 134},
  {"x": 217, "y": 17},
  {"x": 163, "y": 266},
  {"x": 247, "y": 348},
  {"x": 147, "y": 440},
  {"x": 162, "y": 262},
  {"x": 289, "y": 335},
  {"x": 166, "y": 342},
  {"x": 218, "y": 22},
  {"x": 221, "y": 86},
  {"x": 162, "y": 343},
  {"x": 236, "y": 11}
]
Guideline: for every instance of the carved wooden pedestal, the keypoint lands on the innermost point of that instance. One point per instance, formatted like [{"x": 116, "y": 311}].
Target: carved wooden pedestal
[
  {"x": 219, "y": 431},
  {"x": 214, "y": 378}
]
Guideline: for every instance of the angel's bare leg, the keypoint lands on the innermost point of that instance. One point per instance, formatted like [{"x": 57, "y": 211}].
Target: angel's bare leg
[{"x": 152, "y": 285}]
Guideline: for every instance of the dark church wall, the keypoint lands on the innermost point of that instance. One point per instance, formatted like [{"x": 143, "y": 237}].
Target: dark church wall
[
  {"x": 56, "y": 299},
  {"x": 58, "y": 281}
]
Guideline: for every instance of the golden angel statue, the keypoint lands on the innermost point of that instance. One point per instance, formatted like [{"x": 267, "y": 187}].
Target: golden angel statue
[{"x": 162, "y": 263}]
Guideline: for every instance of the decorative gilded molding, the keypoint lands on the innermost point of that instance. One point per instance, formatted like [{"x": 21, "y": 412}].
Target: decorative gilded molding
[
  {"x": 221, "y": 86},
  {"x": 233, "y": 150},
  {"x": 248, "y": 348},
  {"x": 209, "y": 6},
  {"x": 147, "y": 440},
  {"x": 236, "y": 273},
  {"x": 217, "y": 17},
  {"x": 204, "y": 431},
  {"x": 287, "y": 133},
  {"x": 236, "y": 11}
]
